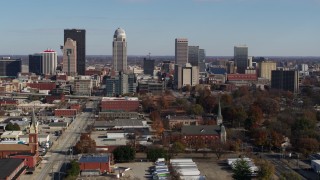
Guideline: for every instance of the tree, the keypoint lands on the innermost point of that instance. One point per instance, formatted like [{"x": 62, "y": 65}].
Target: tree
[
  {"x": 124, "y": 154},
  {"x": 12, "y": 127},
  {"x": 266, "y": 170},
  {"x": 178, "y": 147},
  {"x": 241, "y": 170},
  {"x": 255, "y": 113},
  {"x": 154, "y": 153},
  {"x": 308, "y": 145},
  {"x": 85, "y": 144},
  {"x": 197, "y": 109},
  {"x": 74, "y": 170},
  {"x": 290, "y": 176},
  {"x": 218, "y": 148}
]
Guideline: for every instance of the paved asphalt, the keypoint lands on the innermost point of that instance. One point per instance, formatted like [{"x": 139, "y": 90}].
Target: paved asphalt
[{"x": 58, "y": 153}]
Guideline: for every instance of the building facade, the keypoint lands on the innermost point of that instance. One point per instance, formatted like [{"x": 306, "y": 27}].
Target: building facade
[
  {"x": 148, "y": 66},
  {"x": 35, "y": 64},
  {"x": 181, "y": 51},
  {"x": 193, "y": 55},
  {"x": 265, "y": 69},
  {"x": 119, "y": 50},
  {"x": 186, "y": 75},
  {"x": 78, "y": 35},
  {"x": 287, "y": 80},
  {"x": 110, "y": 104},
  {"x": 49, "y": 61},
  {"x": 241, "y": 58},
  {"x": 10, "y": 67},
  {"x": 70, "y": 57}
]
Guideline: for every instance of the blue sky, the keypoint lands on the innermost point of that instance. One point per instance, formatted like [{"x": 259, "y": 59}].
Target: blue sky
[{"x": 267, "y": 27}]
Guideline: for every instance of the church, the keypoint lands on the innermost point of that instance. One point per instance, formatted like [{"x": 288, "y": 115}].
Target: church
[{"x": 28, "y": 152}]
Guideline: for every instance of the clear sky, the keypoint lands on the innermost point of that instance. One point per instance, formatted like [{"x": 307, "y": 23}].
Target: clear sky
[{"x": 267, "y": 27}]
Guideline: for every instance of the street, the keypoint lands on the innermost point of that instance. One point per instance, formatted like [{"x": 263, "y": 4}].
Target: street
[{"x": 57, "y": 155}]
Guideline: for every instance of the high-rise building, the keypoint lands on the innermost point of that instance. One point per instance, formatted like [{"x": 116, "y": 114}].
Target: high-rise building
[
  {"x": 193, "y": 55},
  {"x": 181, "y": 51},
  {"x": 287, "y": 80},
  {"x": 44, "y": 62},
  {"x": 119, "y": 50},
  {"x": 10, "y": 67},
  {"x": 230, "y": 67},
  {"x": 120, "y": 84},
  {"x": 265, "y": 69},
  {"x": 78, "y": 35},
  {"x": 49, "y": 61},
  {"x": 202, "y": 60},
  {"x": 241, "y": 58},
  {"x": 35, "y": 64},
  {"x": 70, "y": 57},
  {"x": 186, "y": 75},
  {"x": 148, "y": 66}
]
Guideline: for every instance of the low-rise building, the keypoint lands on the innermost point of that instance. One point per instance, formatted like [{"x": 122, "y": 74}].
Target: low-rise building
[
  {"x": 120, "y": 115},
  {"x": 111, "y": 104},
  {"x": 120, "y": 124},
  {"x": 100, "y": 163},
  {"x": 12, "y": 168},
  {"x": 65, "y": 112},
  {"x": 12, "y": 135}
]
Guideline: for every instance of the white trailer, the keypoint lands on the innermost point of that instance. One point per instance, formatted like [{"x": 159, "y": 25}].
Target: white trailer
[
  {"x": 315, "y": 164},
  {"x": 180, "y": 160}
]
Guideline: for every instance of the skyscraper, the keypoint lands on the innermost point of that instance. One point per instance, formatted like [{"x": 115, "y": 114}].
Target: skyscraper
[
  {"x": 181, "y": 51},
  {"x": 241, "y": 58},
  {"x": 49, "y": 61},
  {"x": 286, "y": 80},
  {"x": 148, "y": 66},
  {"x": 35, "y": 64},
  {"x": 78, "y": 35},
  {"x": 119, "y": 50},
  {"x": 265, "y": 68},
  {"x": 70, "y": 57},
  {"x": 9, "y": 67},
  {"x": 193, "y": 55}
]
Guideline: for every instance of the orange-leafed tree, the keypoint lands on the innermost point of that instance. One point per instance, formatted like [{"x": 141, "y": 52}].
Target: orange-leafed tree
[{"x": 85, "y": 144}]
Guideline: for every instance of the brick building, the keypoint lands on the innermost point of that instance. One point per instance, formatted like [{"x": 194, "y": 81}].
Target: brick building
[
  {"x": 109, "y": 104},
  {"x": 12, "y": 168},
  {"x": 53, "y": 97},
  {"x": 101, "y": 163},
  {"x": 65, "y": 112},
  {"x": 43, "y": 85}
]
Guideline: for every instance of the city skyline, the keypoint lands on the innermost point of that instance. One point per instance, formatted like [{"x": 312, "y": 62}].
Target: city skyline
[{"x": 268, "y": 28}]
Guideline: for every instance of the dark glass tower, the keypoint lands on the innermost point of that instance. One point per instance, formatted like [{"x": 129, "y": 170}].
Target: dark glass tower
[
  {"x": 148, "y": 66},
  {"x": 35, "y": 64},
  {"x": 78, "y": 35},
  {"x": 10, "y": 67}
]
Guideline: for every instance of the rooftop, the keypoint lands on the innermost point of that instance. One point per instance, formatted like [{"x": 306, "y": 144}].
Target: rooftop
[
  {"x": 120, "y": 99},
  {"x": 201, "y": 130},
  {"x": 7, "y": 166},
  {"x": 119, "y": 122},
  {"x": 14, "y": 147},
  {"x": 94, "y": 158}
]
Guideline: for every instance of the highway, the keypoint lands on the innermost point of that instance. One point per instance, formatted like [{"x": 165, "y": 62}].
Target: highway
[{"x": 58, "y": 152}]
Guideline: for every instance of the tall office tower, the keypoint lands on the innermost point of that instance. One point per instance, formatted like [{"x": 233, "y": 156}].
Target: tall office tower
[
  {"x": 132, "y": 83},
  {"x": 49, "y": 61},
  {"x": 78, "y": 35},
  {"x": 202, "y": 60},
  {"x": 241, "y": 58},
  {"x": 10, "y": 67},
  {"x": 230, "y": 67},
  {"x": 165, "y": 68},
  {"x": 193, "y": 55},
  {"x": 35, "y": 64},
  {"x": 186, "y": 75},
  {"x": 119, "y": 50},
  {"x": 148, "y": 66},
  {"x": 265, "y": 69},
  {"x": 181, "y": 51},
  {"x": 70, "y": 57},
  {"x": 287, "y": 80}
]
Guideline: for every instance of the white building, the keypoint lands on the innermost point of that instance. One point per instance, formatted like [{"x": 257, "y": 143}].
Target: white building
[
  {"x": 119, "y": 50},
  {"x": 49, "y": 61},
  {"x": 186, "y": 75}
]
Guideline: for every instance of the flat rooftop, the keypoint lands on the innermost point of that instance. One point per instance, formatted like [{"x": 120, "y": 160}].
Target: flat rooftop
[{"x": 119, "y": 99}]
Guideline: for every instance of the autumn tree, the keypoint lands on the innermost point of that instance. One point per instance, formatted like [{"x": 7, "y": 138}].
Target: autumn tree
[
  {"x": 308, "y": 145},
  {"x": 177, "y": 147},
  {"x": 85, "y": 144},
  {"x": 157, "y": 123},
  {"x": 218, "y": 148},
  {"x": 266, "y": 169},
  {"x": 255, "y": 113},
  {"x": 197, "y": 109},
  {"x": 12, "y": 127}
]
